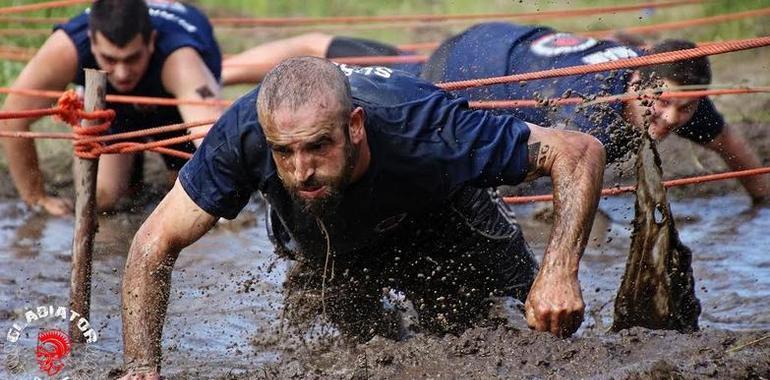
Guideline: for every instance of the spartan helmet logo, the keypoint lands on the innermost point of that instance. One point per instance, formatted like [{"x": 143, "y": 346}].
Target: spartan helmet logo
[{"x": 52, "y": 346}]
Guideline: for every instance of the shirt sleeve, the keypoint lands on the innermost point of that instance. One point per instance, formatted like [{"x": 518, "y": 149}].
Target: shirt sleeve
[
  {"x": 228, "y": 167},
  {"x": 446, "y": 143},
  {"x": 705, "y": 125}
]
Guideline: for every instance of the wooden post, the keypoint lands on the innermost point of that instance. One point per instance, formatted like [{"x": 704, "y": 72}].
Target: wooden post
[{"x": 84, "y": 171}]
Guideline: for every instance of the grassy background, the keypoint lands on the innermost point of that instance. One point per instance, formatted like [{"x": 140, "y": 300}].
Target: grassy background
[{"x": 744, "y": 68}]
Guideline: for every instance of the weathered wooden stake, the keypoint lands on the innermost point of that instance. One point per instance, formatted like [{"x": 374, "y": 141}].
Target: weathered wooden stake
[{"x": 84, "y": 171}]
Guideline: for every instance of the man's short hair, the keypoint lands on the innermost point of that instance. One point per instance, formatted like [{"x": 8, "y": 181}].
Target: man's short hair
[
  {"x": 298, "y": 81},
  {"x": 696, "y": 71},
  {"x": 120, "y": 21}
]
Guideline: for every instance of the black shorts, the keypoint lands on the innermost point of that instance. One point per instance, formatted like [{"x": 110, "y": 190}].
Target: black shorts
[
  {"x": 434, "y": 70},
  {"x": 357, "y": 47},
  {"x": 449, "y": 265}
]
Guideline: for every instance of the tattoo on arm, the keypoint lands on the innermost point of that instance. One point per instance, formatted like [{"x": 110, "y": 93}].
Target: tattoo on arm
[
  {"x": 538, "y": 157},
  {"x": 205, "y": 92}
]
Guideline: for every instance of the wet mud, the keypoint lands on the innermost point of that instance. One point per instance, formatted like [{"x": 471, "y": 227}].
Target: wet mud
[
  {"x": 226, "y": 303},
  {"x": 657, "y": 290}
]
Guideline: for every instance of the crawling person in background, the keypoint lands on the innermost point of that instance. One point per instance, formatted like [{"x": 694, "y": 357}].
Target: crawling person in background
[
  {"x": 498, "y": 49},
  {"x": 375, "y": 180},
  {"x": 164, "y": 49}
]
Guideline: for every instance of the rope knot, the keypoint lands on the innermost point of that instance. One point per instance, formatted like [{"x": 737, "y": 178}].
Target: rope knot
[
  {"x": 70, "y": 108},
  {"x": 71, "y": 112}
]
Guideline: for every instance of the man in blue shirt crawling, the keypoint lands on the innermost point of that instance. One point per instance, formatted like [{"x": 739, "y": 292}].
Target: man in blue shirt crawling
[{"x": 376, "y": 180}]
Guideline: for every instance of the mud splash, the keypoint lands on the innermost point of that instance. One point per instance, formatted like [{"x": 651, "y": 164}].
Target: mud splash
[{"x": 657, "y": 291}]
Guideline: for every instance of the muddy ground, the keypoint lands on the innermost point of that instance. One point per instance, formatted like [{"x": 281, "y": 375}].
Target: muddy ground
[{"x": 236, "y": 333}]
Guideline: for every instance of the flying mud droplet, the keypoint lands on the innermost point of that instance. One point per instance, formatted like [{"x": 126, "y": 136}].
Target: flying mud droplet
[{"x": 657, "y": 291}]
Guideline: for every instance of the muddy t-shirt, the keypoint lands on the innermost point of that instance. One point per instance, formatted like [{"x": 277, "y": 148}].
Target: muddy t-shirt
[
  {"x": 498, "y": 49},
  {"x": 177, "y": 26},
  {"x": 425, "y": 146}
]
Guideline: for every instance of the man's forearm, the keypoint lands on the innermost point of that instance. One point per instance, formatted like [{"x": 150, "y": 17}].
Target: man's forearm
[
  {"x": 577, "y": 181},
  {"x": 575, "y": 163},
  {"x": 739, "y": 155},
  {"x": 146, "y": 286},
  {"x": 23, "y": 163}
]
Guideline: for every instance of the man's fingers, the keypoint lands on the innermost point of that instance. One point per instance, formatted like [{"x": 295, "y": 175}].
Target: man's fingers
[
  {"x": 56, "y": 206},
  {"x": 569, "y": 323},
  {"x": 560, "y": 321},
  {"x": 539, "y": 321}
]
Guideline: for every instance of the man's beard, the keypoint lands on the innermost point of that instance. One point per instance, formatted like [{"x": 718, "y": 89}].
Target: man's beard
[{"x": 334, "y": 187}]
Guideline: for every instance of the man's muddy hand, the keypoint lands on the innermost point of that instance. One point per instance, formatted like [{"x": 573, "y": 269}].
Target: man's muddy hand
[
  {"x": 54, "y": 205},
  {"x": 555, "y": 303}
]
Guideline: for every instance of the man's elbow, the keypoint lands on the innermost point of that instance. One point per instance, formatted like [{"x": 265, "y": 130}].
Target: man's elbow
[
  {"x": 587, "y": 150},
  {"x": 594, "y": 151}
]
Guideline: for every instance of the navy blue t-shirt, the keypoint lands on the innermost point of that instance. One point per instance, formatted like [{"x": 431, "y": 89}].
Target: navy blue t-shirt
[
  {"x": 177, "y": 26},
  {"x": 425, "y": 146},
  {"x": 498, "y": 49}
]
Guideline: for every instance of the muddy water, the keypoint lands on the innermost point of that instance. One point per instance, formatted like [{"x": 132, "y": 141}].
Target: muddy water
[{"x": 226, "y": 288}]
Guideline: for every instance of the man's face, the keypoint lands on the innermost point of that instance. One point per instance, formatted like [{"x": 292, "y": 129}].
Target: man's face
[
  {"x": 125, "y": 65},
  {"x": 313, "y": 154},
  {"x": 663, "y": 115}
]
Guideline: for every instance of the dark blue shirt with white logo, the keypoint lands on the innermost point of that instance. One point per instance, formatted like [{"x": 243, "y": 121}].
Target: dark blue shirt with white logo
[
  {"x": 498, "y": 49},
  {"x": 425, "y": 144},
  {"x": 177, "y": 26}
]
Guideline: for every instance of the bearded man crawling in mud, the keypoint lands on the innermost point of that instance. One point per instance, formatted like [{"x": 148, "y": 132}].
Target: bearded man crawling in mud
[{"x": 376, "y": 180}]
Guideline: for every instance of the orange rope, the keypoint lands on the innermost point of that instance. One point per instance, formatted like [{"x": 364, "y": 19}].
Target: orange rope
[
  {"x": 670, "y": 183},
  {"x": 683, "y": 24},
  {"x": 489, "y": 104},
  {"x": 293, "y": 21},
  {"x": 644, "y": 29},
  {"x": 647, "y": 60},
  {"x": 289, "y": 21},
  {"x": 88, "y": 144},
  {"x": 150, "y": 131},
  {"x": 87, "y": 140},
  {"x": 33, "y": 20},
  {"x": 147, "y": 100},
  {"x": 24, "y": 32},
  {"x": 39, "y": 6},
  {"x": 521, "y": 103},
  {"x": 15, "y": 56},
  {"x": 123, "y": 99},
  {"x": 366, "y": 60},
  {"x": 37, "y": 135}
]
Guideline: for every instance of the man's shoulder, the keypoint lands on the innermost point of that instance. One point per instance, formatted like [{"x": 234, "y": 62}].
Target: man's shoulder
[
  {"x": 243, "y": 112},
  {"x": 76, "y": 27},
  {"x": 382, "y": 86},
  {"x": 174, "y": 17}
]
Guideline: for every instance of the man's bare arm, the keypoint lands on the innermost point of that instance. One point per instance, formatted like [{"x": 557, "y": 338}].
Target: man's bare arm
[
  {"x": 53, "y": 67},
  {"x": 252, "y": 65},
  {"x": 738, "y": 155},
  {"x": 575, "y": 162},
  {"x": 176, "y": 223},
  {"x": 186, "y": 76}
]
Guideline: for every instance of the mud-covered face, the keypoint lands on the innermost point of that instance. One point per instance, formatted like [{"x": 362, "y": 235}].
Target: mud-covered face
[
  {"x": 313, "y": 154},
  {"x": 663, "y": 115},
  {"x": 125, "y": 66}
]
